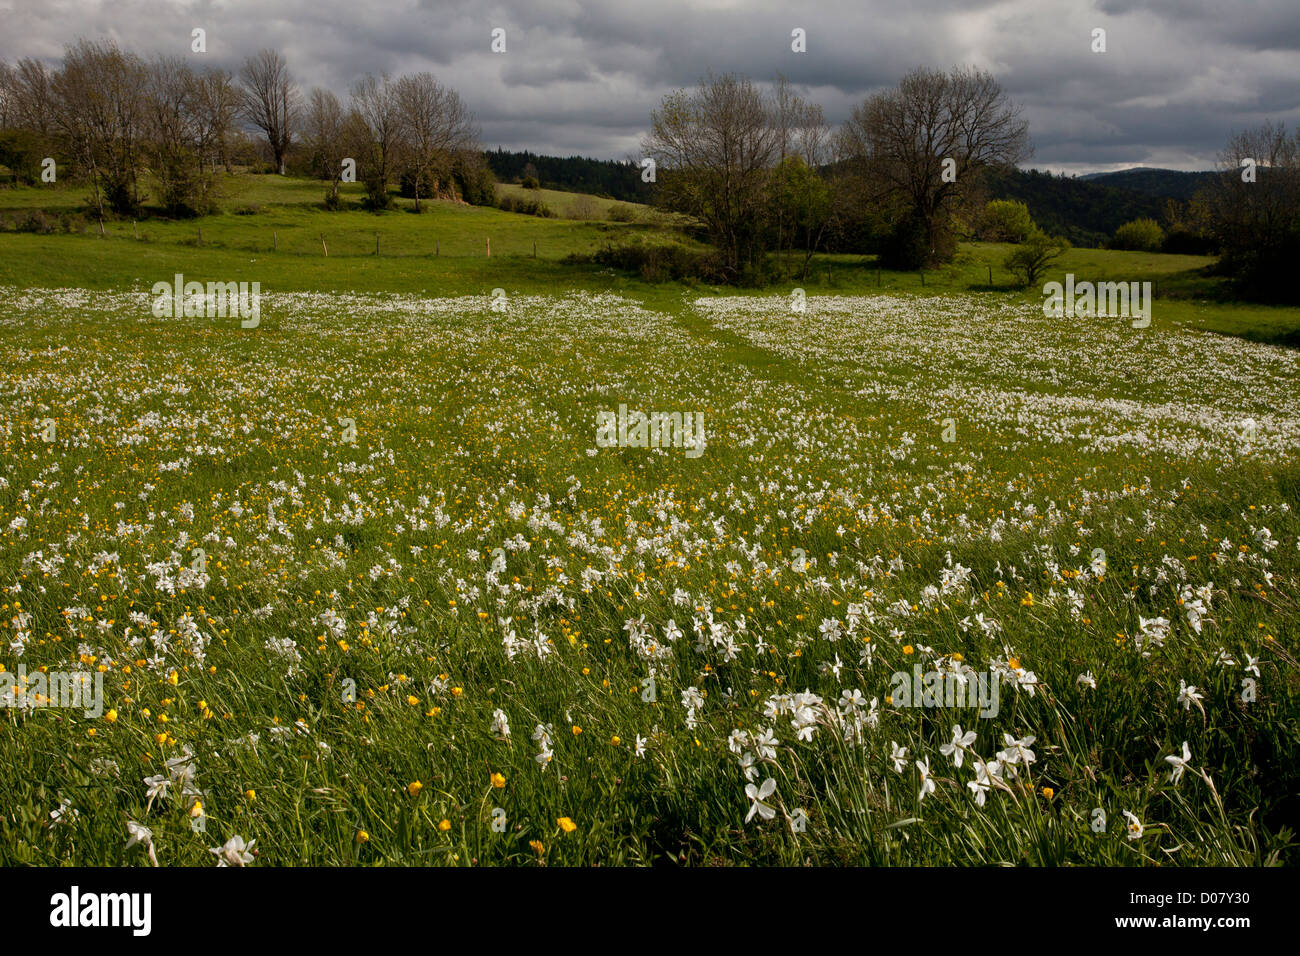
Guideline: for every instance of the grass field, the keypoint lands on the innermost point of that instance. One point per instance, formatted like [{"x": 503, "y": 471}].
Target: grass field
[{"x": 365, "y": 579}]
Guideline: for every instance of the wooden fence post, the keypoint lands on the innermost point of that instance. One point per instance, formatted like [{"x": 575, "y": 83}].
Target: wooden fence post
[
  {"x": 534, "y": 248},
  {"x": 200, "y": 235},
  {"x": 437, "y": 247},
  {"x": 323, "y": 246},
  {"x": 489, "y": 247},
  {"x": 376, "y": 243},
  {"x": 134, "y": 229},
  {"x": 275, "y": 238}
]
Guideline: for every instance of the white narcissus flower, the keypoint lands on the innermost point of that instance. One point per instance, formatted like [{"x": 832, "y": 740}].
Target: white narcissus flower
[
  {"x": 980, "y": 785},
  {"x": 1188, "y": 695},
  {"x": 156, "y": 787},
  {"x": 898, "y": 755},
  {"x": 757, "y": 795},
  {"x": 139, "y": 833},
  {"x": 960, "y": 742},
  {"x": 1086, "y": 680},
  {"x": 500, "y": 724},
  {"x": 1135, "y": 827},
  {"x": 927, "y": 785},
  {"x": 234, "y": 852},
  {"x": 1179, "y": 763},
  {"x": 1017, "y": 750}
]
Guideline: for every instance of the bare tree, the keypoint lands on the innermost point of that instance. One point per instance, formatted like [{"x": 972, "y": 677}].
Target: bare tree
[
  {"x": 324, "y": 129},
  {"x": 8, "y": 112},
  {"x": 172, "y": 133},
  {"x": 904, "y": 136},
  {"x": 1254, "y": 210},
  {"x": 31, "y": 97},
  {"x": 98, "y": 98},
  {"x": 216, "y": 103},
  {"x": 375, "y": 104},
  {"x": 435, "y": 126},
  {"x": 714, "y": 149},
  {"x": 271, "y": 101},
  {"x": 799, "y": 206}
]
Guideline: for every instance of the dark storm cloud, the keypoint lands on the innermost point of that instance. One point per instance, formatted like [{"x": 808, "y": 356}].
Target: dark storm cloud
[{"x": 581, "y": 76}]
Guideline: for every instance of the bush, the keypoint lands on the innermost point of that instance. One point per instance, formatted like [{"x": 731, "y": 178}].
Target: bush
[
  {"x": 621, "y": 212},
  {"x": 530, "y": 182},
  {"x": 72, "y": 222},
  {"x": 377, "y": 197},
  {"x": 1004, "y": 220},
  {"x": 656, "y": 262},
  {"x": 526, "y": 207},
  {"x": 35, "y": 221},
  {"x": 584, "y": 207},
  {"x": 1029, "y": 261},
  {"x": 474, "y": 179},
  {"x": 1140, "y": 235},
  {"x": 1188, "y": 242},
  {"x": 906, "y": 246},
  {"x": 252, "y": 209}
]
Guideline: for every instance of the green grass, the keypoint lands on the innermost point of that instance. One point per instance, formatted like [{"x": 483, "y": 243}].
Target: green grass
[
  {"x": 444, "y": 250},
  {"x": 896, "y": 434},
  {"x": 825, "y": 434},
  {"x": 569, "y": 205}
]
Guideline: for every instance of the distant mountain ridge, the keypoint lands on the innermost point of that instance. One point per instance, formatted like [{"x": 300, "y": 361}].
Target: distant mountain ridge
[{"x": 1173, "y": 183}]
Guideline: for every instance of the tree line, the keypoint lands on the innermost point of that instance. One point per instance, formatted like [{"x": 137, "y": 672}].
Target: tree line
[
  {"x": 768, "y": 181},
  {"x": 134, "y": 129},
  {"x": 915, "y": 168}
]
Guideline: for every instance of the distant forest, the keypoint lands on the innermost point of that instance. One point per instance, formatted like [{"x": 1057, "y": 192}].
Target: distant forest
[{"x": 609, "y": 178}]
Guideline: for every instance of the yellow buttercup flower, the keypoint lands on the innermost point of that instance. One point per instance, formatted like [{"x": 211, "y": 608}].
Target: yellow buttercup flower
[
  {"x": 498, "y": 781},
  {"x": 567, "y": 825},
  {"x": 414, "y": 788}
]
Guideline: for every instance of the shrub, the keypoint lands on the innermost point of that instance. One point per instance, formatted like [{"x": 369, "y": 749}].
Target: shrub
[
  {"x": 906, "y": 246},
  {"x": 584, "y": 207},
  {"x": 474, "y": 179},
  {"x": 656, "y": 262},
  {"x": 35, "y": 221},
  {"x": 530, "y": 182},
  {"x": 1189, "y": 242},
  {"x": 72, "y": 222},
  {"x": 526, "y": 207},
  {"x": 1140, "y": 235},
  {"x": 1004, "y": 220},
  {"x": 252, "y": 209},
  {"x": 621, "y": 212},
  {"x": 1028, "y": 262},
  {"x": 377, "y": 196}
]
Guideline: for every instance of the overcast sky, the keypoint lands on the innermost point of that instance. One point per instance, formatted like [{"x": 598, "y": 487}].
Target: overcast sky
[{"x": 581, "y": 76}]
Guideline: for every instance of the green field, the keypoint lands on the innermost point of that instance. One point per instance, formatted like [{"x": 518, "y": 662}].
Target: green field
[{"x": 323, "y": 564}]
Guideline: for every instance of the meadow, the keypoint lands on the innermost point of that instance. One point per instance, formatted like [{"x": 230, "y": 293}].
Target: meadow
[{"x": 363, "y": 587}]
